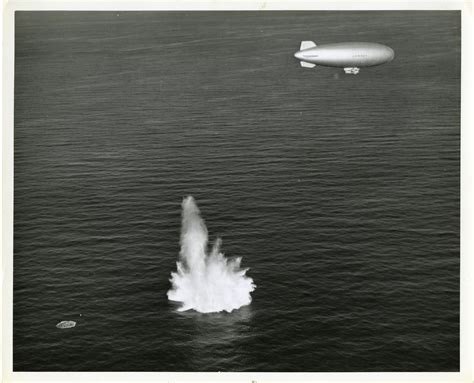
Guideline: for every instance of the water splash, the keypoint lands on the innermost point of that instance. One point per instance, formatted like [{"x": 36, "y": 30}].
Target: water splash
[{"x": 206, "y": 282}]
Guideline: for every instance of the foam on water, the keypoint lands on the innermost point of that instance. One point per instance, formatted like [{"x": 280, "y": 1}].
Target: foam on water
[{"x": 206, "y": 282}]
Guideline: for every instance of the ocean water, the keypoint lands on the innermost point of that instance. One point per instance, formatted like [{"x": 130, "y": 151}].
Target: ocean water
[{"x": 339, "y": 192}]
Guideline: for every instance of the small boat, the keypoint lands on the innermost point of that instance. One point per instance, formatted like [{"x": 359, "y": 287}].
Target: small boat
[{"x": 66, "y": 324}]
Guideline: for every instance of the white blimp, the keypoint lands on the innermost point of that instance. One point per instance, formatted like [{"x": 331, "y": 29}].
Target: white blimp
[{"x": 351, "y": 56}]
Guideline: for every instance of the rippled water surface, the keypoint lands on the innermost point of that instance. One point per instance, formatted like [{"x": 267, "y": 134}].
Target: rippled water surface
[{"x": 340, "y": 192}]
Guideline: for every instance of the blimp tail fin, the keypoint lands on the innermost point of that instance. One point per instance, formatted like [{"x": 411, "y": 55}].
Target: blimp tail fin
[
  {"x": 307, "y": 65},
  {"x": 307, "y": 45}
]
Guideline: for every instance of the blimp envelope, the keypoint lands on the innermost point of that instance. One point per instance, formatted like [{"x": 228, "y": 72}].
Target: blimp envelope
[{"x": 350, "y": 55}]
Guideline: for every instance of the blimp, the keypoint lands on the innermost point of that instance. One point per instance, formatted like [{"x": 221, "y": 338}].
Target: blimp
[{"x": 351, "y": 56}]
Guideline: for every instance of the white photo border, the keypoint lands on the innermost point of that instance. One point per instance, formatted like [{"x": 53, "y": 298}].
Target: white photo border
[{"x": 467, "y": 189}]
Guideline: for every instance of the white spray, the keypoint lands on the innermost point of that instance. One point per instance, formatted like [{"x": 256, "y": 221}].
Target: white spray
[{"x": 206, "y": 282}]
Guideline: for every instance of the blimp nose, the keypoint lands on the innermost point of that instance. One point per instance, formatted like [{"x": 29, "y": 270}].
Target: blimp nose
[
  {"x": 299, "y": 55},
  {"x": 390, "y": 53}
]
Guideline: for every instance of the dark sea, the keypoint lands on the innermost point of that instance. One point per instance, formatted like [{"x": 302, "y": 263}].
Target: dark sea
[{"x": 341, "y": 193}]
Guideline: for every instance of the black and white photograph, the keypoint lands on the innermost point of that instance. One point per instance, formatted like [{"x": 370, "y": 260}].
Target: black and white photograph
[{"x": 236, "y": 191}]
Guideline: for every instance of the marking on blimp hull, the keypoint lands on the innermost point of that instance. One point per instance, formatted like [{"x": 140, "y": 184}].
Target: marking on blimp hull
[{"x": 350, "y": 56}]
